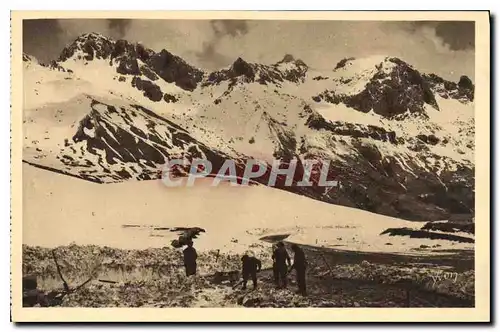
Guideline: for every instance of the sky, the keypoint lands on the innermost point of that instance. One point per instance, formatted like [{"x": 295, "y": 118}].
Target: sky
[{"x": 445, "y": 48}]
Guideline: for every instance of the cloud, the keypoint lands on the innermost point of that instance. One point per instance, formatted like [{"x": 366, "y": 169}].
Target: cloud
[
  {"x": 210, "y": 56},
  {"x": 443, "y": 48},
  {"x": 45, "y": 38},
  {"x": 40, "y": 35},
  {"x": 118, "y": 28},
  {"x": 458, "y": 35},
  {"x": 455, "y": 35},
  {"x": 223, "y": 28}
]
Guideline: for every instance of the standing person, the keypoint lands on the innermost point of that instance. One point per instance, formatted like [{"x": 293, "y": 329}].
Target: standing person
[
  {"x": 190, "y": 257},
  {"x": 299, "y": 264},
  {"x": 282, "y": 260},
  {"x": 250, "y": 267},
  {"x": 275, "y": 268}
]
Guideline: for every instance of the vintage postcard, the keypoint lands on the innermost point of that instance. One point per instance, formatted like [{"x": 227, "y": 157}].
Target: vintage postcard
[{"x": 195, "y": 166}]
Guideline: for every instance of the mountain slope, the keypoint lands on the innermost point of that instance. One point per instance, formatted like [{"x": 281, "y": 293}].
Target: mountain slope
[{"x": 401, "y": 142}]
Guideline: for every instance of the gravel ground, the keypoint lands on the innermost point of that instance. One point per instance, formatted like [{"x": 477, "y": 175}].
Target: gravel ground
[{"x": 155, "y": 278}]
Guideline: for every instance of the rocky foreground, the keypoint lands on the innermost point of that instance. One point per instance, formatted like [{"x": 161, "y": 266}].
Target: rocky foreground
[{"x": 155, "y": 278}]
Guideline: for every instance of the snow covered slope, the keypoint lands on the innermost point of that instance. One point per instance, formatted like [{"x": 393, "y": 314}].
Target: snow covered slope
[
  {"x": 401, "y": 142},
  {"x": 140, "y": 214}
]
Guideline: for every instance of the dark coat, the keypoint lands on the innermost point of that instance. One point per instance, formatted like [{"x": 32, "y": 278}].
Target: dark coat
[
  {"x": 299, "y": 260},
  {"x": 281, "y": 257},
  {"x": 250, "y": 265},
  {"x": 190, "y": 256}
]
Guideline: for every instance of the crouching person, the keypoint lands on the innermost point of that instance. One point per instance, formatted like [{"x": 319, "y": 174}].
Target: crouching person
[{"x": 250, "y": 267}]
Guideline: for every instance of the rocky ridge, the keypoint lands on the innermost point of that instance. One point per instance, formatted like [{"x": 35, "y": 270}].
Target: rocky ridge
[{"x": 406, "y": 165}]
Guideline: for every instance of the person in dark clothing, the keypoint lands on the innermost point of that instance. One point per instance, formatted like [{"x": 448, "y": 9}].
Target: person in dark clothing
[
  {"x": 190, "y": 257},
  {"x": 299, "y": 264},
  {"x": 250, "y": 267},
  {"x": 275, "y": 268},
  {"x": 281, "y": 260}
]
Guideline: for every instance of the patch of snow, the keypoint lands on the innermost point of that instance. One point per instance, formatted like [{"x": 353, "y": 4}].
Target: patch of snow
[{"x": 97, "y": 213}]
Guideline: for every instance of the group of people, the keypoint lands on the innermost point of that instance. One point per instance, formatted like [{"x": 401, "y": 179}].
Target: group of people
[{"x": 282, "y": 266}]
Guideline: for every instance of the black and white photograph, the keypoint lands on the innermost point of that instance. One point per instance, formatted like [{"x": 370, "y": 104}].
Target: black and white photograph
[{"x": 251, "y": 163}]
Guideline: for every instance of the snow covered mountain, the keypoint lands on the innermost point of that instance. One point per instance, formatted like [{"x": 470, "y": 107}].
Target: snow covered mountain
[{"x": 401, "y": 142}]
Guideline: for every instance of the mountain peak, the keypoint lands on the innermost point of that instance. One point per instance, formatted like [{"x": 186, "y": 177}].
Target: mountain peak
[
  {"x": 387, "y": 85},
  {"x": 88, "y": 46},
  {"x": 369, "y": 63},
  {"x": 463, "y": 90},
  {"x": 92, "y": 35},
  {"x": 465, "y": 82},
  {"x": 30, "y": 61},
  {"x": 288, "y": 58},
  {"x": 241, "y": 67},
  {"x": 29, "y": 58},
  {"x": 173, "y": 69},
  {"x": 239, "y": 62}
]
